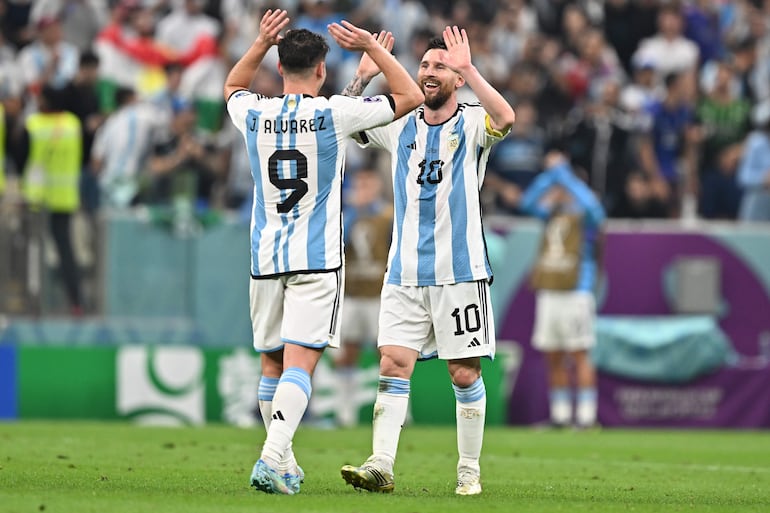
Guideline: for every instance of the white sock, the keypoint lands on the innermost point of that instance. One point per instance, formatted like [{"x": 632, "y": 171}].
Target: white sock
[
  {"x": 266, "y": 393},
  {"x": 389, "y": 416},
  {"x": 561, "y": 406},
  {"x": 585, "y": 414},
  {"x": 471, "y": 409},
  {"x": 289, "y": 404}
]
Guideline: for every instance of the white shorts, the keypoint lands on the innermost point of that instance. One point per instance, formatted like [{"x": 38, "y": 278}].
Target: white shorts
[
  {"x": 564, "y": 320},
  {"x": 360, "y": 320},
  {"x": 448, "y": 321},
  {"x": 300, "y": 309}
]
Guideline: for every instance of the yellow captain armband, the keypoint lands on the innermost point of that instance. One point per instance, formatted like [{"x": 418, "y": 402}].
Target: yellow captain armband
[{"x": 491, "y": 131}]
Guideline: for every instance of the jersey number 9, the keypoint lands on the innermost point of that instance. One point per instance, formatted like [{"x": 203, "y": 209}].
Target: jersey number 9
[{"x": 297, "y": 186}]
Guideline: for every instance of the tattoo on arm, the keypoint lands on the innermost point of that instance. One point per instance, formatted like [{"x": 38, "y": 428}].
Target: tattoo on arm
[{"x": 355, "y": 87}]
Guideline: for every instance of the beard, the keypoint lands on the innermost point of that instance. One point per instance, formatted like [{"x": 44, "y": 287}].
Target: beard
[{"x": 436, "y": 100}]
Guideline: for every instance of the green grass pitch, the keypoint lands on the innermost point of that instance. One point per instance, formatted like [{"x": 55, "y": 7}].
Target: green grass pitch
[{"x": 79, "y": 467}]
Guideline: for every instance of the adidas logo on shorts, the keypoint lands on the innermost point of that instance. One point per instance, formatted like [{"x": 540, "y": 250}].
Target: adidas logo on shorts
[{"x": 474, "y": 343}]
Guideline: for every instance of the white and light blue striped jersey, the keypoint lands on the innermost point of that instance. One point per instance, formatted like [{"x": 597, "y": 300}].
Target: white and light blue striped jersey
[
  {"x": 438, "y": 238},
  {"x": 296, "y": 147}
]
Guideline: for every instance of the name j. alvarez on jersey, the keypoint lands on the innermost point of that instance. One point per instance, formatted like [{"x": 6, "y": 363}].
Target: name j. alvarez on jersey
[{"x": 291, "y": 126}]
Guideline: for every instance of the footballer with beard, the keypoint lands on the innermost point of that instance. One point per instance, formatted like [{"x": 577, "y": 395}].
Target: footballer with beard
[{"x": 435, "y": 299}]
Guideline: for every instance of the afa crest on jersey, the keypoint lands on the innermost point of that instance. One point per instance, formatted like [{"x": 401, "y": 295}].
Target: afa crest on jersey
[{"x": 453, "y": 141}]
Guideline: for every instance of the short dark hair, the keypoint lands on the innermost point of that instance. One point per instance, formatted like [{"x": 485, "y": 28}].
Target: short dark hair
[
  {"x": 89, "y": 58},
  {"x": 301, "y": 49},
  {"x": 671, "y": 79},
  {"x": 124, "y": 95},
  {"x": 437, "y": 42},
  {"x": 53, "y": 100}
]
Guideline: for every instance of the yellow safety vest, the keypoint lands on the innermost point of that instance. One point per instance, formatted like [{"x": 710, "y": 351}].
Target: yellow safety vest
[
  {"x": 2, "y": 148},
  {"x": 52, "y": 174}
]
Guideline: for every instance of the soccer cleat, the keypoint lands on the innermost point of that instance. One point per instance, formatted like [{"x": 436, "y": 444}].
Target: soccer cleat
[
  {"x": 369, "y": 476},
  {"x": 266, "y": 479},
  {"x": 468, "y": 483},
  {"x": 293, "y": 480}
]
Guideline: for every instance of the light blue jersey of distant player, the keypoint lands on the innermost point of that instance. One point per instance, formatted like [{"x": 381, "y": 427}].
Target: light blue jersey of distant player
[
  {"x": 438, "y": 238},
  {"x": 584, "y": 203},
  {"x": 296, "y": 147}
]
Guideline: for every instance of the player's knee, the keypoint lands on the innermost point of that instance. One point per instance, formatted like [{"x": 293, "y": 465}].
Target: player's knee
[
  {"x": 395, "y": 365},
  {"x": 464, "y": 377}
]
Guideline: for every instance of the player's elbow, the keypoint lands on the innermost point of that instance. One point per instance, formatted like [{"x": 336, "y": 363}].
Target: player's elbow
[
  {"x": 409, "y": 101},
  {"x": 506, "y": 120}
]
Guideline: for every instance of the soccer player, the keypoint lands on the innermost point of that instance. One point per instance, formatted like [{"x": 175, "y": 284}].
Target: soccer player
[
  {"x": 296, "y": 144},
  {"x": 435, "y": 299},
  {"x": 368, "y": 219},
  {"x": 565, "y": 276}
]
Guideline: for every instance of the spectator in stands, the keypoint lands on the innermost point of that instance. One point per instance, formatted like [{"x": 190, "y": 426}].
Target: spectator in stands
[
  {"x": 599, "y": 137},
  {"x": 514, "y": 21},
  {"x": 668, "y": 48},
  {"x": 754, "y": 170},
  {"x": 81, "y": 20},
  {"x": 702, "y": 26},
  {"x": 183, "y": 166},
  {"x": 514, "y": 162},
  {"x": 121, "y": 147},
  {"x": 534, "y": 78},
  {"x": 626, "y": 22},
  {"x": 667, "y": 152},
  {"x": 593, "y": 63},
  {"x": 641, "y": 92},
  {"x": 723, "y": 118},
  {"x": 49, "y": 59},
  {"x": 129, "y": 55},
  {"x": 185, "y": 26}
]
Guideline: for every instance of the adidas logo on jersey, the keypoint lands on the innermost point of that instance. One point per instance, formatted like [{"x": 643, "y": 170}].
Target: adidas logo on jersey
[
  {"x": 412, "y": 146},
  {"x": 474, "y": 343}
]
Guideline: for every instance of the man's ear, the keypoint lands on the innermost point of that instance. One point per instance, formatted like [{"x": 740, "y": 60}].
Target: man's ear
[
  {"x": 460, "y": 82},
  {"x": 280, "y": 69},
  {"x": 320, "y": 69}
]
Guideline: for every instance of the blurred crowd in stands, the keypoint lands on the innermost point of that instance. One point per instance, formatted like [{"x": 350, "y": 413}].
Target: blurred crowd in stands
[{"x": 662, "y": 106}]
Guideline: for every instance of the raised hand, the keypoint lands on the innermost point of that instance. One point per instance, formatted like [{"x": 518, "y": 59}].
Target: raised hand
[
  {"x": 273, "y": 21},
  {"x": 350, "y": 37},
  {"x": 458, "y": 54},
  {"x": 367, "y": 68},
  {"x": 553, "y": 158}
]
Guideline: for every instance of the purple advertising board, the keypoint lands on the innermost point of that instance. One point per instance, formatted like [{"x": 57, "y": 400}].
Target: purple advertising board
[{"x": 638, "y": 263}]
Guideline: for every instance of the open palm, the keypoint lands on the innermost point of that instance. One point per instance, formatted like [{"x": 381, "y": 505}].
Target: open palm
[
  {"x": 271, "y": 24},
  {"x": 458, "y": 54},
  {"x": 367, "y": 67}
]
